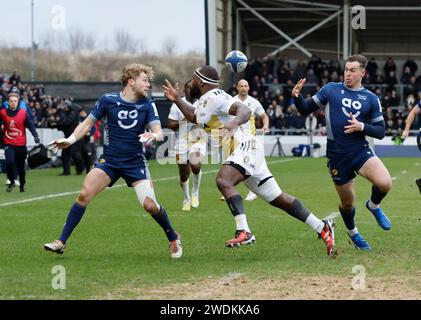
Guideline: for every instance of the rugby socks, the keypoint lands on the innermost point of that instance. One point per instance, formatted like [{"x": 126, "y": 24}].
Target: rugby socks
[
  {"x": 315, "y": 223},
  {"x": 186, "y": 189},
  {"x": 241, "y": 222},
  {"x": 376, "y": 197},
  {"x": 298, "y": 211},
  {"x": 196, "y": 182},
  {"x": 348, "y": 217},
  {"x": 235, "y": 204},
  {"x": 162, "y": 218},
  {"x": 73, "y": 218}
]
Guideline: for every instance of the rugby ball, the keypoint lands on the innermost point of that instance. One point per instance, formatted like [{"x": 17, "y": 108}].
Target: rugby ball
[{"x": 236, "y": 61}]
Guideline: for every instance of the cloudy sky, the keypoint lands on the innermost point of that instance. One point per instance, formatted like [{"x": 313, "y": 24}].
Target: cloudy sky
[{"x": 152, "y": 22}]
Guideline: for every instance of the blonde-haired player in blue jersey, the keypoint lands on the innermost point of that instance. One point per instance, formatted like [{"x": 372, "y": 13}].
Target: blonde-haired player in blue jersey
[
  {"x": 217, "y": 112},
  {"x": 352, "y": 113},
  {"x": 127, "y": 115}
]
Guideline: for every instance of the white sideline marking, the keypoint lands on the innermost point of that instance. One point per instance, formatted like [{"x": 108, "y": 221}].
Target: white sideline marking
[
  {"x": 394, "y": 178},
  {"x": 56, "y": 195}
]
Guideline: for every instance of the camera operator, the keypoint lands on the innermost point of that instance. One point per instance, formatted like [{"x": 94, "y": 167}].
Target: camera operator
[{"x": 66, "y": 119}]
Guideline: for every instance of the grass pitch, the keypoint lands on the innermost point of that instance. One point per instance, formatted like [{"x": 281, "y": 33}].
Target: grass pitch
[{"x": 118, "y": 251}]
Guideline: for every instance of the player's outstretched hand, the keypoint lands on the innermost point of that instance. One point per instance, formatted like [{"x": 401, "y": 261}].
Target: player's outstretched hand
[
  {"x": 354, "y": 125},
  {"x": 147, "y": 137},
  {"x": 170, "y": 92},
  {"x": 405, "y": 134},
  {"x": 297, "y": 88},
  {"x": 57, "y": 144}
]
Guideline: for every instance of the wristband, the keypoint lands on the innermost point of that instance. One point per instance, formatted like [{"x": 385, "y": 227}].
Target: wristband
[{"x": 72, "y": 139}]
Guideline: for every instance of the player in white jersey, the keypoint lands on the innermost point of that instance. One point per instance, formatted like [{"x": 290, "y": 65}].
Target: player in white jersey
[
  {"x": 257, "y": 110},
  {"x": 190, "y": 150},
  {"x": 218, "y": 112}
]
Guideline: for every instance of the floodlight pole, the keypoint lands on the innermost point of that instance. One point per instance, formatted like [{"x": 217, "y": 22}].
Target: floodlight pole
[
  {"x": 32, "y": 43},
  {"x": 345, "y": 30}
]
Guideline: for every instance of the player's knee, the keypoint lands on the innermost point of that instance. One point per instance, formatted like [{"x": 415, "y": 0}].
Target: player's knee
[
  {"x": 223, "y": 183},
  {"x": 85, "y": 196},
  {"x": 195, "y": 169},
  {"x": 184, "y": 176},
  {"x": 284, "y": 201},
  {"x": 385, "y": 186},
  {"x": 150, "y": 206},
  {"x": 347, "y": 205}
]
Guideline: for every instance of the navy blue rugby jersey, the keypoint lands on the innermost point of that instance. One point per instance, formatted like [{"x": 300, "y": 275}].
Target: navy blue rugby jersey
[
  {"x": 341, "y": 102},
  {"x": 123, "y": 122}
]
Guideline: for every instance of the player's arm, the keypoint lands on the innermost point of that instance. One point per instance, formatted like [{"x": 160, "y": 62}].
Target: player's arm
[
  {"x": 172, "y": 124},
  {"x": 31, "y": 126},
  {"x": 242, "y": 115},
  {"x": 265, "y": 120},
  {"x": 304, "y": 106},
  {"x": 409, "y": 120},
  {"x": 173, "y": 118},
  {"x": 241, "y": 112},
  {"x": 172, "y": 94},
  {"x": 376, "y": 130},
  {"x": 81, "y": 130},
  {"x": 155, "y": 134}
]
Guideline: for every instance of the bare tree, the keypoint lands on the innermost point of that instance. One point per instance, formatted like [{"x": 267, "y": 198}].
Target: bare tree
[
  {"x": 169, "y": 46},
  {"x": 53, "y": 40},
  {"x": 90, "y": 42},
  {"x": 77, "y": 40},
  {"x": 125, "y": 42}
]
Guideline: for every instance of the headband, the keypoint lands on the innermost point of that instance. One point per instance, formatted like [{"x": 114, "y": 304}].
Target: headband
[{"x": 205, "y": 79}]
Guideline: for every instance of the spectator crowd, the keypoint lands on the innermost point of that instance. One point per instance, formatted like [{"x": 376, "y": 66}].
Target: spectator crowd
[
  {"x": 60, "y": 113},
  {"x": 272, "y": 80}
]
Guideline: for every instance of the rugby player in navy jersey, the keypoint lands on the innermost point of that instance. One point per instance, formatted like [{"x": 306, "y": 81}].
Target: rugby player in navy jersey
[
  {"x": 127, "y": 114},
  {"x": 352, "y": 113}
]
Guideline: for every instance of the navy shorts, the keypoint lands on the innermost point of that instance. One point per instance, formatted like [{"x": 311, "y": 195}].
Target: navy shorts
[
  {"x": 343, "y": 168},
  {"x": 130, "y": 173}
]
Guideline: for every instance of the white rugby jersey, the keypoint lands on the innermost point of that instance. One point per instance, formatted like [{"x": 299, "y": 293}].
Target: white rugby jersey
[
  {"x": 256, "y": 108},
  {"x": 185, "y": 125},
  {"x": 212, "y": 111}
]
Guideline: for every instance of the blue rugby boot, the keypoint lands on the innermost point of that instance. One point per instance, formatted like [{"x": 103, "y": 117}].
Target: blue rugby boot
[
  {"x": 381, "y": 217},
  {"x": 359, "y": 242}
]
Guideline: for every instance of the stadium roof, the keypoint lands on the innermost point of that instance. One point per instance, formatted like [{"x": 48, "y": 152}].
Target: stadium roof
[{"x": 392, "y": 27}]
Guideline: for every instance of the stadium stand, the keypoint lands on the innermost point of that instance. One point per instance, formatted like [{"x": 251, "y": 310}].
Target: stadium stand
[{"x": 271, "y": 81}]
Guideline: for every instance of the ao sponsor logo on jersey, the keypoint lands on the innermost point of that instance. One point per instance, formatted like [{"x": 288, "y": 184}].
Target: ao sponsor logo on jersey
[
  {"x": 352, "y": 106},
  {"x": 124, "y": 115}
]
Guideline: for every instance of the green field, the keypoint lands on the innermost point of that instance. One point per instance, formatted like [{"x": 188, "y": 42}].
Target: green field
[{"x": 118, "y": 251}]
